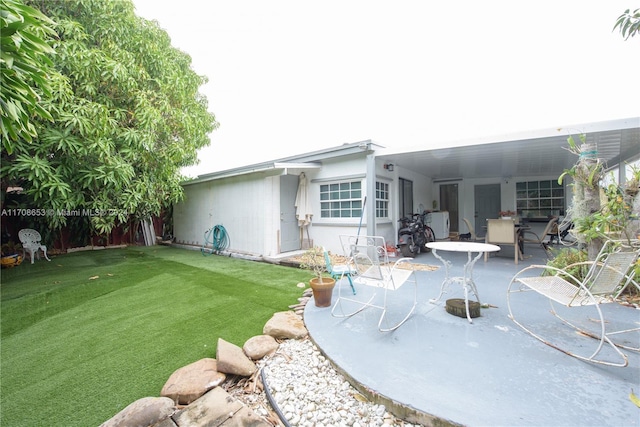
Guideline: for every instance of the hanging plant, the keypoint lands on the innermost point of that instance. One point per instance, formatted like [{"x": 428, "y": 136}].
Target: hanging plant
[
  {"x": 589, "y": 169},
  {"x": 587, "y": 174},
  {"x": 617, "y": 216}
]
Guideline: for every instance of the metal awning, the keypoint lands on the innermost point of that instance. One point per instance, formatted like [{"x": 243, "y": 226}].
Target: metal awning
[{"x": 540, "y": 153}]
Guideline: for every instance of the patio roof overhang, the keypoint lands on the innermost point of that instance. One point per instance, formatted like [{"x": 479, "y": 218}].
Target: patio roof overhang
[{"x": 539, "y": 153}]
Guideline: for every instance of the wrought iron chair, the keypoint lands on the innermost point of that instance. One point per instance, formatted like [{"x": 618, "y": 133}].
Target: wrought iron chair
[
  {"x": 30, "y": 240},
  {"x": 369, "y": 259},
  {"x": 606, "y": 278},
  {"x": 337, "y": 272}
]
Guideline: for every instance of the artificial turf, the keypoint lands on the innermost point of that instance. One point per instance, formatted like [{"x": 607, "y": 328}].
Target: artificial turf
[{"x": 90, "y": 332}]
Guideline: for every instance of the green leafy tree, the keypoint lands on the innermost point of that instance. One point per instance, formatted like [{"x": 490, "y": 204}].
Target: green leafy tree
[
  {"x": 127, "y": 116},
  {"x": 628, "y": 23},
  {"x": 24, "y": 66}
]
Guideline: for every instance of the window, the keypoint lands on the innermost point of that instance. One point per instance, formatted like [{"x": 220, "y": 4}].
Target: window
[
  {"x": 341, "y": 200},
  {"x": 540, "y": 198},
  {"x": 382, "y": 200},
  {"x": 406, "y": 197}
]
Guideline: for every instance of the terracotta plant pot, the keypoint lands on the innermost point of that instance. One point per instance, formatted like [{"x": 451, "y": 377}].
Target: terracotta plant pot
[{"x": 322, "y": 290}]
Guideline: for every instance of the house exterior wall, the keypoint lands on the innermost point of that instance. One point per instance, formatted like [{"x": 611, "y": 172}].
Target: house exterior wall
[
  {"x": 326, "y": 231},
  {"x": 248, "y": 206},
  {"x": 245, "y": 205}
]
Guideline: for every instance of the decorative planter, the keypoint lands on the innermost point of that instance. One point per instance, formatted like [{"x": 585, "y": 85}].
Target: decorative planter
[
  {"x": 11, "y": 261},
  {"x": 322, "y": 290}
]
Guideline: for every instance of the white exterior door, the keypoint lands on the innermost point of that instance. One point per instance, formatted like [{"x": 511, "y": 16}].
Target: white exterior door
[{"x": 289, "y": 229}]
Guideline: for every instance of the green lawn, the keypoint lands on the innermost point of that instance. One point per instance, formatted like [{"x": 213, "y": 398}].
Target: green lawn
[{"x": 76, "y": 349}]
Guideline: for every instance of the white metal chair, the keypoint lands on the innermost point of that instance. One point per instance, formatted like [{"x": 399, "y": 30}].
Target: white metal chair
[
  {"x": 30, "y": 240},
  {"x": 369, "y": 259},
  {"x": 606, "y": 278},
  {"x": 503, "y": 232}
]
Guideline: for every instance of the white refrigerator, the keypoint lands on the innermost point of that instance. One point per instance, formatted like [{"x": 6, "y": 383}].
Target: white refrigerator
[{"x": 440, "y": 224}]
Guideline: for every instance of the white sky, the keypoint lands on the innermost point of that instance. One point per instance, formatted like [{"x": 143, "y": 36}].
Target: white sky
[{"x": 291, "y": 76}]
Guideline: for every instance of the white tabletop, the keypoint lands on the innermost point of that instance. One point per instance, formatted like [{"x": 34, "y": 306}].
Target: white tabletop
[{"x": 463, "y": 246}]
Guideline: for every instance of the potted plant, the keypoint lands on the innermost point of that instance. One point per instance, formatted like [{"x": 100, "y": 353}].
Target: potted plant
[
  {"x": 321, "y": 285},
  {"x": 506, "y": 214}
]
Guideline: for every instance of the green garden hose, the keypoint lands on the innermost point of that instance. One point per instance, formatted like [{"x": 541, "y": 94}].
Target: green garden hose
[{"x": 217, "y": 238}]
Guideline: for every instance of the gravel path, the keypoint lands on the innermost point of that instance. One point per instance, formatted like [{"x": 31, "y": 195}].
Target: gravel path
[{"x": 309, "y": 392}]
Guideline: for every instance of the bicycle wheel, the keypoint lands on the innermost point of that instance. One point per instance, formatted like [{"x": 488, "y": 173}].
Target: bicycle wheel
[{"x": 428, "y": 231}]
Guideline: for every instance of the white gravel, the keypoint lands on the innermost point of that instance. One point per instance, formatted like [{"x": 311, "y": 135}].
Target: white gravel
[{"x": 310, "y": 392}]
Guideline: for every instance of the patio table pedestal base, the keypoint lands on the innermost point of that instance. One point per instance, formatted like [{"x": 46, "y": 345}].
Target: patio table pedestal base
[{"x": 466, "y": 280}]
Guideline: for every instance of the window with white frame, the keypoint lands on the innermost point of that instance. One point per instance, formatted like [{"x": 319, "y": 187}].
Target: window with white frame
[
  {"x": 341, "y": 199},
  {"x": 540, "y": 198},
  {"x": 382, "y": 199}
]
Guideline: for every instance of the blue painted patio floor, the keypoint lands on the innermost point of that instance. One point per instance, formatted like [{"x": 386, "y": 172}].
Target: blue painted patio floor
[{"x": 489, "y": 373}]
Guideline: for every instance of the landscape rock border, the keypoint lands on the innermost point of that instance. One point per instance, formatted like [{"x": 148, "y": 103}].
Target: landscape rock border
[
  {"x": 228, "y": 391},
  {"x": 195, "y": 394}
]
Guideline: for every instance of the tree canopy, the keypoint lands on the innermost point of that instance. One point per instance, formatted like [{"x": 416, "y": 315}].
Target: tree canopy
[
  {"x": 628, "y": 23},
  {"x": 127, "y": 116},
  {"x": 23, "y": 70}
]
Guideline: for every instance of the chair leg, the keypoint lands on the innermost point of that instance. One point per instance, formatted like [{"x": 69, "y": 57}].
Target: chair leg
[
  {"x": 602, "y": 337},
  {"x": 351, "y": 283},
  {"x": 407, "y": 315},
  {"x": 44, "y": 251}
]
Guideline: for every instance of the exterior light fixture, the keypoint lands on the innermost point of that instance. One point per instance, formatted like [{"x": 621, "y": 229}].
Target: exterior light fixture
[{"x": 388, "y": 166}]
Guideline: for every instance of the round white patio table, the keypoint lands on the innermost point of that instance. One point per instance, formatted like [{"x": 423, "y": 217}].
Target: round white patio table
[{"x": 466, "y": 280}]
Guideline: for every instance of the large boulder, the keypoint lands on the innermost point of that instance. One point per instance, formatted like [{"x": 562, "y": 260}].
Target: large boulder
[
  {"x": 285, "y": 325},
  {"x": 259, "y": 346},
  {"x": 217, "y": 408},
  {"x": 143, "y": 413},
  {"x": 192, "y": 381},
  {"x": 232, "y": 360}
]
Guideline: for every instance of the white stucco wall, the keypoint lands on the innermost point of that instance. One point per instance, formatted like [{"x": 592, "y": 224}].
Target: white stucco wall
[{"x": 326, "y": 231}]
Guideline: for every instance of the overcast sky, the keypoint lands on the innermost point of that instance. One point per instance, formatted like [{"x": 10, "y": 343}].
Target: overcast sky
[{"x": 291, "y": 76}]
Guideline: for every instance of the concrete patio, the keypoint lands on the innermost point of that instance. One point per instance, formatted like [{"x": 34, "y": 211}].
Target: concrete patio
[{"x": 439, "y": 369}]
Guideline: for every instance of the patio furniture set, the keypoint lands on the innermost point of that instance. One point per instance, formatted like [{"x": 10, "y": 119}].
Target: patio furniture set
[
  {"x": 510, "y": 231},
  {"x": 605, "y": 279}
]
